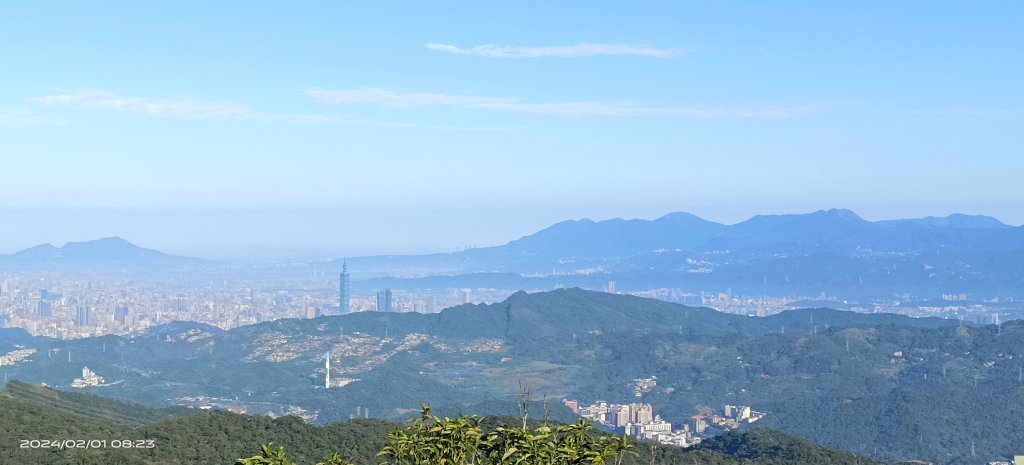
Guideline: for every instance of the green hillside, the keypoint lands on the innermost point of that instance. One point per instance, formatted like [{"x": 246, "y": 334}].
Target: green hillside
[
  {"x": 217, "y": 438},
  {"x": 883, "y": 386},
  {"x": 91, "y": 406}
]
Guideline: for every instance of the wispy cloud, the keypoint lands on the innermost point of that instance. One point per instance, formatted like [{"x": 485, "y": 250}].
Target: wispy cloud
[
  {"x": 477, "y": 128},
  {"x": 391, "y": 98},
  {"x": 174, "y": 107},
  {"x": 395, "y": 99},
  {"x": 23, "y": 118},
  {"x": 559, "y": 51}
]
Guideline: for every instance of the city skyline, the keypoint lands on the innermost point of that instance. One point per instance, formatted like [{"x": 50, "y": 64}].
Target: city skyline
[{"x": 253, "y": 130}]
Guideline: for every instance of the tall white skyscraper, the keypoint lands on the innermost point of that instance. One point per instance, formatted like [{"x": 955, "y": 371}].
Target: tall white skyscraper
[{"x": 327, "y": 370}]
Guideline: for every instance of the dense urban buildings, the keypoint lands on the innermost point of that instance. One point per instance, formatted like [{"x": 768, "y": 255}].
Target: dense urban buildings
[
  {"x": 639, "y": 420},
  {"x": 75, "y": 306}
]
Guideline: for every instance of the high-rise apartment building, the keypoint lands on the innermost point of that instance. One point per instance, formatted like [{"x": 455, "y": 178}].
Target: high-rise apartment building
[
  {"x": 624, "y": 416},
  {"x": 121, "y": 314},
  {"x": 384, "y": 301},
  {"x": 44, "y": 308},
  {"x": 82, "y": 318},
  {"x": 644, "y": 413}
]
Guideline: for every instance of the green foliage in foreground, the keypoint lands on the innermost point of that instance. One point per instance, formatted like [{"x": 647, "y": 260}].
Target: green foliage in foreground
[
  {"x": 220, "y": 438},
  {"x": 430, "y": 440},
  {"x": 270, "y": 456}
]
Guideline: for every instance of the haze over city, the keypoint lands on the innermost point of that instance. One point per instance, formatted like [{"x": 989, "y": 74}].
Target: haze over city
[
  {"x": 354, "y": 233},
  {"x": 241, "y": 130}
]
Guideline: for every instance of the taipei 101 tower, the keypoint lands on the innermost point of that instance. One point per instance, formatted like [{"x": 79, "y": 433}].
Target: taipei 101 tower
[{"x": 343, "y": 300}]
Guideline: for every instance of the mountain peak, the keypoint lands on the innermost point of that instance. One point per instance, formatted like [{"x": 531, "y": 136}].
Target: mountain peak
[
  {"x": 40, "y": 251},
  {"x": 106, "y": 251},
  {"x": 954, "y": 221},
  {"x": 819, "y": 217},
  {"x": 117, "y": 241},
  {"x": 112, "y": 239},
  {"x": 108, "y": 246},
  {"x": 960, "y": 220},
  {"x": 840, "y": 213},
  {"x": 682, "y": 217}
]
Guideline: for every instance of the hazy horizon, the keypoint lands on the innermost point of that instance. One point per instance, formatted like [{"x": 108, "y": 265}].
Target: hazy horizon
[
  {"x": 149, "y": 230},
  {"x": 351, "y": 129},
  {"x": 269, "y": 140}
]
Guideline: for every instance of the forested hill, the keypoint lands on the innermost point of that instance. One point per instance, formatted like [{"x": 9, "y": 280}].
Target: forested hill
[
  {"x": 90, "y": 406},
  {"x": 562, "y": 312},
  {"x": 876, "y": 385},
  {"x": 220, "y": 438}
]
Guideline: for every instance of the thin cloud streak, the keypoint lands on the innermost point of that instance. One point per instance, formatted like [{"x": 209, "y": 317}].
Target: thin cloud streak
[
  {"x": 477, "y": 128},
  {"x": 559, "y": 51},
  {"x": 175, "y": 107},
  {"x": 394, "y": 99},
  {"x": 389, "y": 98}
]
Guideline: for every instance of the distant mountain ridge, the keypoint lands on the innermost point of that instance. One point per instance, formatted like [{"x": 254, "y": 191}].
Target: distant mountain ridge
[
  {"x": 108, "y": 252},
  {"x": 832, "y": 251},
  {"x": 957, "y": 220},
  {"x": 827, "y": 250},
  {"x": 618, "y": 237}
]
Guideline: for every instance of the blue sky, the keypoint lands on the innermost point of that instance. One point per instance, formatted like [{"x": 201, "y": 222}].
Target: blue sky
[{"x": 344, "y": 128}]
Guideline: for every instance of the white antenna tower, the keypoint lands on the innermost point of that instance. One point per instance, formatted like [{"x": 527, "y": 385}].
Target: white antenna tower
[{"x": 327, "y": 370}]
